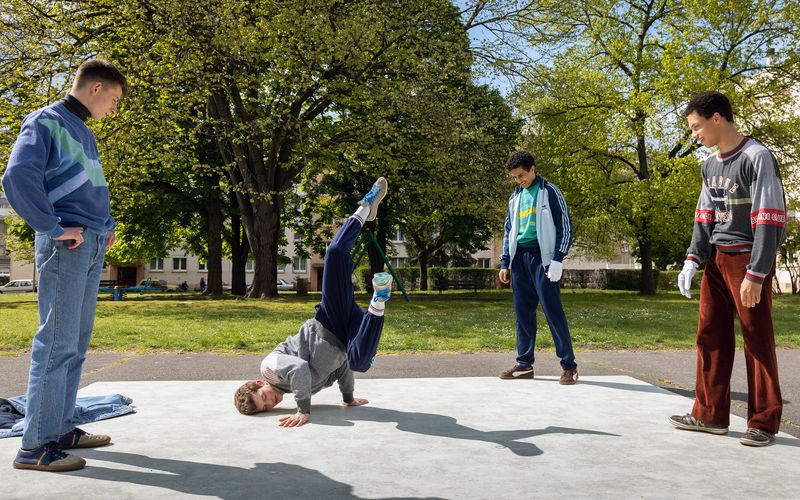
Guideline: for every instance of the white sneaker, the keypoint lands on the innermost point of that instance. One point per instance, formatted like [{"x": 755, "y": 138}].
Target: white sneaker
[
  {"x": 382, "y": 286},
  {"x": 374, "y": 197}
]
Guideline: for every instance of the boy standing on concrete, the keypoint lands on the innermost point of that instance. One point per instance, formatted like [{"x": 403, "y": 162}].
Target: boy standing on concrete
[
  {"x": 54, "y": 181},
  {"x": 342, "y": 337},
  {"x": 739, "y": 223},
  {"x": 538, "y": 235}
]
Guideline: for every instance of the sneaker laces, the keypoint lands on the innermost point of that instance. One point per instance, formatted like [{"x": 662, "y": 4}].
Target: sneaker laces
[
  {"x": 54, "y": 451},
  {"x": 370, "y": 197},
  {"x": 757, "y": 433}
]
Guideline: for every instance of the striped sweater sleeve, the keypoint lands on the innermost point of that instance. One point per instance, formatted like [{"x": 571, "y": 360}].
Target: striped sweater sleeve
[
  {"x": 767, "y": 217},
  {"x": 561, "y": 220},
  {"x": 23, "y": 181}
]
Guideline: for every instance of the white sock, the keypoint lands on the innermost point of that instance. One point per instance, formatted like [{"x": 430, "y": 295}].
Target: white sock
[
  {"x": 376, "y": 307},
  {"x": 361, "y": 214}
]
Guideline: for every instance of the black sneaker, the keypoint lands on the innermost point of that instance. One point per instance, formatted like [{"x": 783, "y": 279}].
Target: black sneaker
[
  {"x": 756, "y": 437},
  {"x": 48, "y": 458},
  {"x": 689, "y": 423}
]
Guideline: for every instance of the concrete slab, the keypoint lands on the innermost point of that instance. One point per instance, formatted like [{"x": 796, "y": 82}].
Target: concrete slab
[{"x": 606, "y": 437}]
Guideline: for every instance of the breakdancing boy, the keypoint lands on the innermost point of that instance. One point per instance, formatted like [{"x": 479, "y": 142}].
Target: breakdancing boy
[{"x": 341, "y": 337}]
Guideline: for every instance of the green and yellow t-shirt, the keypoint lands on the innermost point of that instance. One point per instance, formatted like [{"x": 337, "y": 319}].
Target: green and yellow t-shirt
[{"x": 527, "y": 216}]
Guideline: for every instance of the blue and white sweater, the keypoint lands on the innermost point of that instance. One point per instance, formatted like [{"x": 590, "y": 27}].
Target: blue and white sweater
[
  {"x": 553, "y": 226},
  {"x": 54, "y": 178}
]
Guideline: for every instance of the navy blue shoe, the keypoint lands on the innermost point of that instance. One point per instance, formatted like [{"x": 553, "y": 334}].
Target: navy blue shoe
[
  {"x": 48, "y": 458},
  {"x": 79, "y": 438}
]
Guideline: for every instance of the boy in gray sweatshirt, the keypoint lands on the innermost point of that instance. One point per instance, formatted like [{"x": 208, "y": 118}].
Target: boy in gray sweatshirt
[
  {"x": 341, "y": 337},
  {"x": 739, "y": 223}
]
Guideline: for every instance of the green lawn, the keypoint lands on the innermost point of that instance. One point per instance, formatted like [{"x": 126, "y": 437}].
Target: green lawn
[{"x": 453, "y": 321}]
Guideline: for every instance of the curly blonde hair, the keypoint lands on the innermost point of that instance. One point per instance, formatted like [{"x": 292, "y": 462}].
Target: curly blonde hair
[{"x": 243, "y": 399}]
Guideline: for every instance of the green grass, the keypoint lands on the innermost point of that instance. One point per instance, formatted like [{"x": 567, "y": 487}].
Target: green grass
[{"x": 431, "y": 322}]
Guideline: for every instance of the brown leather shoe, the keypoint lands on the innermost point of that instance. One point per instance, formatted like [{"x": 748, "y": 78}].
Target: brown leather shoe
[
  {"x": 569, "y": 377},
  {"x": 517, "y": 371}
]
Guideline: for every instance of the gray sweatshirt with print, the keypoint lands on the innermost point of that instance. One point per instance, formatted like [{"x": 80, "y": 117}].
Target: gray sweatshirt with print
[
  {"x": 308, "y": 362},
  {"x": 741, "y": 208}
]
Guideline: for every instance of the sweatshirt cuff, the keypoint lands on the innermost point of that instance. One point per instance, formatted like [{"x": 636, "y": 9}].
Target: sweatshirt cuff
[
  {"x": 303, "y": 405},
  {"x": 694, "y": 259},
  {"x": 347, "y": 397},
  {"x": 55, "y": 232},
  {"x": 757, "y": 278},
  {"x": 558, "y": 256}
]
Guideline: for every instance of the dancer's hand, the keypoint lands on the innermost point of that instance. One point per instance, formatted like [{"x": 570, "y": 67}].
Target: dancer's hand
[
  {"x": 72, "y": 234},
  {"x": 295, "y": 420},
  {"x": 750, "y": 293},
  {"x": 504, "y": 276},
  {"x": 685, "y": 278},
  {"x": 356, "y": 402}
]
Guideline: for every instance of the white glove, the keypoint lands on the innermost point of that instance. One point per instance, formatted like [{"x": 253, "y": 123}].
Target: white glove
[
  {"x": 685, "y": 278},
  {"x": 554, "y": 271}
]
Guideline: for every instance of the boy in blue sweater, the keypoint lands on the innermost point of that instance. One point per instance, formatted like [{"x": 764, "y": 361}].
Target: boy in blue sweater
[
  {"x": 54, "y": 181},
  {"x": 538, "y": 235}
]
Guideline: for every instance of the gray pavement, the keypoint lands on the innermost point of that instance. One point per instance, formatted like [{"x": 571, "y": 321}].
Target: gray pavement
[
  {"x": 672, "y": 370},
  {"x": 455, "y": 438}
]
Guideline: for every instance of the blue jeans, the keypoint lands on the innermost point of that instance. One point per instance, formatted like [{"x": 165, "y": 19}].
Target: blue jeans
[
  {"x": 531, "y": 286},
  {"x": 68, "y": 283}
]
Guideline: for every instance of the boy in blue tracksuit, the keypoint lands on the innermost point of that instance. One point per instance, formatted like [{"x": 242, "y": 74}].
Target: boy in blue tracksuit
[{"x": 538, "y": 235}]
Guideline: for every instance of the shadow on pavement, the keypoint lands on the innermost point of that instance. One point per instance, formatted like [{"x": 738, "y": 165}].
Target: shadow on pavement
[
  {"x": 263, "y": 480},
  {"x": 431, "y": 424}
]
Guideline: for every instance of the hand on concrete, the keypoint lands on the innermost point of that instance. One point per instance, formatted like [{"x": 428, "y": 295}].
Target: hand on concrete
[
  {"x": 685, "y": 278},
  {"x": 72, "y": 233},
  {"x": 356, "y": 402},
  {"x": 504, "y": 276},
  {"x": 555, "y": 270},
  {"x": 295, "y": 420},
  {"x": 750, "y": 293}
]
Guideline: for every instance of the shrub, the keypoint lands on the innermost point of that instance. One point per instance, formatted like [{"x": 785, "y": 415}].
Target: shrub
[{"x": 487, "y": 278}]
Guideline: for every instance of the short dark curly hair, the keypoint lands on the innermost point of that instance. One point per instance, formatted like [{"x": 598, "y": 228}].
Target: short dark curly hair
[
  {"x": 243, "y": 399},
  {"x": 709, "y": 102},
  {"x": 520, "y": 159}
]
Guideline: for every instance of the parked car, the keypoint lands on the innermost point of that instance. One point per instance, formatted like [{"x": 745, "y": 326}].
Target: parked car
[
  {"x": 284, "y": 285},
  {"x": 149, "y": 284},
  {"x": 17, "y": 286}
]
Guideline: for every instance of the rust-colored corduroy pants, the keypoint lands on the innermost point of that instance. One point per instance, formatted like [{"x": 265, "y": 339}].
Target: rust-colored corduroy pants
[{"x": 720, "y": 302}]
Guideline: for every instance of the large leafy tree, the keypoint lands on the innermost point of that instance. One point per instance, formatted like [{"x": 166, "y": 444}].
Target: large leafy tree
[
  {"x": 604, "y": 105},
  {"x": 277, "y": 78}
]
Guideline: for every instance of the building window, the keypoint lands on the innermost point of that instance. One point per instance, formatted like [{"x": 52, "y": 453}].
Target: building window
[
  {"x": 249, "y": 267},
  {"x": 179, "y": 263},
  {"x": 298, "y": 236},
  {"x": 398, "y": 262},
  {"x": 484, "y": 263},
  {"x": 202, "y": 266},
  {"x": 300, "y": 264},
  {"x": 157, "y": 264},
  {"x": 281, "y": 268},
  {"x": 398, "y": 236}
]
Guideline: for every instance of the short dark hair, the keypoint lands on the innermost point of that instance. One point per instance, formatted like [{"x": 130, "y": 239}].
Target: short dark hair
[
  {"x": 709, "y": 102},
  {"x": 100, "y": 70},
  {"x": 520, "y": 159}
]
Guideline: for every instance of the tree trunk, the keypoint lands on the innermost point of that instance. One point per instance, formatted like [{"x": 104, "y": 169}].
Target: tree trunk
[
  {"x": 648, "y": 286},
  {"x": 240, "y": 249},
  {"x": 214, "y": 242},
  {"x": 422, "y": 258},
  {"x": 264, "y": 236}
]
